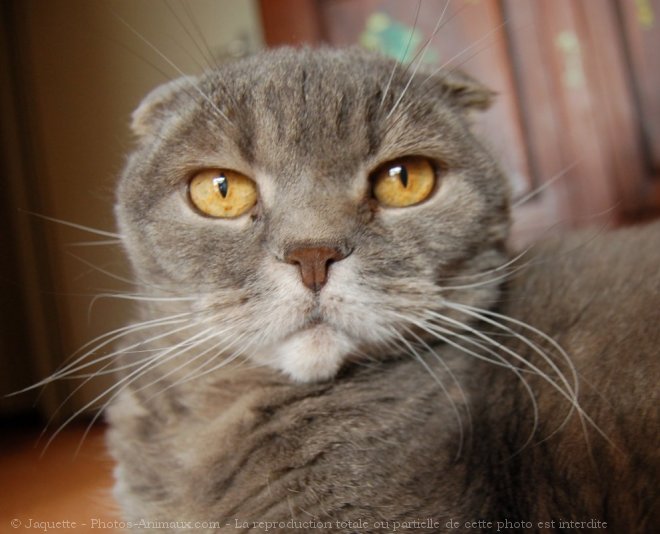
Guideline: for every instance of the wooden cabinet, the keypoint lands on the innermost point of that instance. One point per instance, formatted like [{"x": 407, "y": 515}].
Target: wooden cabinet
[{"x": 578, "y": 111}]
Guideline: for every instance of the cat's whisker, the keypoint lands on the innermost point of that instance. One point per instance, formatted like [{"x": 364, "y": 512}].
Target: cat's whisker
[
  {"x": 175, "y": 67},
  {"x": 484, "y": 316},
  {"x": 191, "y": 17},
  {"x": 420, "y": 60},
  {"x": 459, "y": 54},
  {"x": 538, "y": 190},
  {"x": 101, "y": 269},
  {"x": 100, "y": 243},
  {"x": 207, "y": 59},
  {"x": 223, "y": 342},
  {"x": 196, "y": 375},
  {"x": 403, "y": 56},
  {"x": 569, "y": 393},
  {"x": 191, "y": 343},
  {"x": 566, "y": 393},
  {"x": 79, "y": 364},
  {"x": 126, "y": 330},
  {"x": 487, "y": 272},
  {"x": 186, "y": 364},
  {"x": 89, "y": 229},
  {"x": 144, "y": 298},
  {"x": 111, "y": 357},
  {"x": 442, "y": 386},
  {"x": 459, "y": 421},
  {"x": 105, "y": 371},
  {"x": 506, "y": 276},
  {"x": 119, "y": 386},
  {"x": 480, "y": 313},
  {"x": 135, "y": 297},
  {"x": 442, "y": 333}
]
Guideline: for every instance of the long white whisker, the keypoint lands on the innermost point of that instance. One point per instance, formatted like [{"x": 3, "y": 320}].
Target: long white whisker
[
  {"x": 119, "y": 386},
  {"x": 479, "y": 313},
  {"x": 419, "y": 61},
  {"x": 209, "y": 63},
  {"x": 459, "y": 54},
  {"x": 75, "y": 225},
  {"x": 444, "y": 388},
  {"x": 99, "y": 243},
  {"x": 438, "y": 332},
  {"x": 174, "y": 66},
  {"x": 73, "y": 367},
  {"x": 544, "y": 186},
  {"x": 403, "y": 57}
]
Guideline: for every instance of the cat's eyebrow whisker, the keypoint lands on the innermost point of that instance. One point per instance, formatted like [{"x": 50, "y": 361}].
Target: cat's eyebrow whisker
[
  {"x": 403, "y": 56},
  {"x": 208, "y": 60},
  {"x": 459, "y": 54},
  {"x": 175, "y": 67},
  {"x": 419, "y": 61},
  {"x": 191, "y": 17}
]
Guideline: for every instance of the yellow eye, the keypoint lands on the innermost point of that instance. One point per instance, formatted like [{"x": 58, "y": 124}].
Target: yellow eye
[
  {"x": 404, "y": 182},
  {"x": 222, "y": 193}
]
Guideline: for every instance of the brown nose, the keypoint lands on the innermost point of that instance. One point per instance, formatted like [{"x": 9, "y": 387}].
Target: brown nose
[{"x": 314, "y": 263}]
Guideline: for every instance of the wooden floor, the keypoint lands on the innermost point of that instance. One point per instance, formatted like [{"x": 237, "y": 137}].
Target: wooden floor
[{"x": 40, "y": 488}]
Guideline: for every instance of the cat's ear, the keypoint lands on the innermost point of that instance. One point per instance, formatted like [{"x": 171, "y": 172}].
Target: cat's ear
[
  {"x": 464, "y": 91},
  {"x": 159, "y": 105}
]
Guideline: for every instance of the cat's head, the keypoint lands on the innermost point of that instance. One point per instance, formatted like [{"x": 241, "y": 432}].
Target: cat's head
[{"x": 316, "y": 206}]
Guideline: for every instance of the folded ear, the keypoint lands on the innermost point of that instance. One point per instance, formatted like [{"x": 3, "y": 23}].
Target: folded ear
[
  {"x": 158, "y": 105},
  {"x": 464, "y": 91}
]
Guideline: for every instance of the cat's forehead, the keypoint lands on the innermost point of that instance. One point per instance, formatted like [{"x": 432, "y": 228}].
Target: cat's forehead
[{"x": 325, "y": 110}]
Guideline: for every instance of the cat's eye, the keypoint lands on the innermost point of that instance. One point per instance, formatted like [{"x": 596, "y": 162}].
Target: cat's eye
[
  {"x": 222, "y": 193},
  {"x": 404, "y": 182}
]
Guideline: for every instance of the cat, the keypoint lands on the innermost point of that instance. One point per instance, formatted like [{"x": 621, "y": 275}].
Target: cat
[{"x": 335, "y": 336}]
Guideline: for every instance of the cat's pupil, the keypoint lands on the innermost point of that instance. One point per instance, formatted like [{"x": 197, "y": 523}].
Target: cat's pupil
[
  {"x": 401, "y": 172},
  {"x": 222, "y": 185}
]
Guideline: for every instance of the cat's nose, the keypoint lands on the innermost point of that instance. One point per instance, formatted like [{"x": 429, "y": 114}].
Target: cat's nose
[{"x": 314, "y": 263}]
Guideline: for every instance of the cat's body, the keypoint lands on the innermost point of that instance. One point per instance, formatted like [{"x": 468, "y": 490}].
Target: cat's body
[{"x": 386, "y": 423}]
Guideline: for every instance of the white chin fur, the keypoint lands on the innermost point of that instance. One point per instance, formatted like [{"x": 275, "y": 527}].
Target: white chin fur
[{"x": 312, "y": 355}]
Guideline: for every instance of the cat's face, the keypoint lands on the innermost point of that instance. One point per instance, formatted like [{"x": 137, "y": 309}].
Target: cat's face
[{"x": 314, "y": 267}]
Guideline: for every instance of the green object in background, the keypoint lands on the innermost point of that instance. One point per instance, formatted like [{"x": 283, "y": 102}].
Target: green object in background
[{"x": 394, "y": 39}]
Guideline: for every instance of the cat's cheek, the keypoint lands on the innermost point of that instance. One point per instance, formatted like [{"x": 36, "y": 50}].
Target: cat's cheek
[{"x": 313, "y": 355}]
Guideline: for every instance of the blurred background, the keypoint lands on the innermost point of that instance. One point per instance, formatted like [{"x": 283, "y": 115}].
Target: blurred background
[{"x": 577, "y": 114}]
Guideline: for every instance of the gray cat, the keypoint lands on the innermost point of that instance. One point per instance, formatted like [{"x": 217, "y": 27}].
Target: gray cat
[{"x": 335, "y": 336}]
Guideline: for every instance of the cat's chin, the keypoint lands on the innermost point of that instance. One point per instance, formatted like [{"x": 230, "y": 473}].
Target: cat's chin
[{"x": 313, "y": 354}]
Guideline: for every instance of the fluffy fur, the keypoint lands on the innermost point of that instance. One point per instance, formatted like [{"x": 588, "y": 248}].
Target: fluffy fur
[{"x": 428, "y": 378}]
